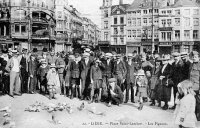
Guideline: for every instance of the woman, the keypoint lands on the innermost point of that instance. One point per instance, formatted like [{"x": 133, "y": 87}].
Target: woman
[
  {"x": 154, "y": 81},
  {"x": 185, "y": 110}
]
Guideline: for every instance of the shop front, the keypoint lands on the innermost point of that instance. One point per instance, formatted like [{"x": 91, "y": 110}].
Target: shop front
[
  {"x": 104, "y": 46},
  {"x": 133, "y": 46},
  {"x": 119, "y": 49}
]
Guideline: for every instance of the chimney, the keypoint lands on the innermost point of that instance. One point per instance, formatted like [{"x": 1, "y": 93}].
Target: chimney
[{"x": 120, "y": 2}]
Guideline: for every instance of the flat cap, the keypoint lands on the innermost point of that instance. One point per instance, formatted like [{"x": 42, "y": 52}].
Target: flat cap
[
  {"x": 141, "y": 73},
  {"x": 85, "y": 54},
  {"x": 108, "y": 54},
  {"x": 195, "y": 53},
  {"x": 14, "y": 51},
  {"x": 112, "y": 80},
  {"x": 184, "y": 53},
  {"x": 175, "y": 54},
  {"x": 118, "y": 55},
  {"x": 52, "y": 66}
]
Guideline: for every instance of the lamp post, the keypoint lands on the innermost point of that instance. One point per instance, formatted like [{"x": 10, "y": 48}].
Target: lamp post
[
  {"x": 152, "y": 32},
  {"x": 29, "y": 26}
]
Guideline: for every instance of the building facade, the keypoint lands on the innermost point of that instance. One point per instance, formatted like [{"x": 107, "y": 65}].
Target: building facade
[
  {"x": 179, "y": 27},
  {"x": 118, "y": 25},
  {"x": 29, "y": 24}
]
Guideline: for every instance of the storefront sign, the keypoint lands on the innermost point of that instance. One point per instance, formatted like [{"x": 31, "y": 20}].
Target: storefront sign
[
  {"x": 166, "y": 29},
  {"x": 133, "y": 43}
]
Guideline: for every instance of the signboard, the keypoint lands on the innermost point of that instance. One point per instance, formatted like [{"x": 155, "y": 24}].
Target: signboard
[{"x": 166, "y": 29}]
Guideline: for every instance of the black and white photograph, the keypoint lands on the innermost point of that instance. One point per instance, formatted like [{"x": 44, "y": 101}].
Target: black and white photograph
[{"x": 99, "y": 63}]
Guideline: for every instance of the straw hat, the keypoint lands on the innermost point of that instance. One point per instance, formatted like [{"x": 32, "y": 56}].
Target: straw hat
[
  {"x": 141, "y": 73},
  {"x": 52, "y": 66}
]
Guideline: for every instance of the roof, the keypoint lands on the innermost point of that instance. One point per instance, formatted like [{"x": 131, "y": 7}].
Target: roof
[{"x": 185, "y": 3}]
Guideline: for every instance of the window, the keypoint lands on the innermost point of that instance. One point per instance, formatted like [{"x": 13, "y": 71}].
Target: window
[
  {"x": 187, "y": 21},
  {"x": 187, "y": 34},
  {"x": 134, "y": 33},
  {"x": 139, "y": 33},
  {"x": 196, "y": 21},
  {"x": 138, "y": 12},
  {"x": 177, "y": 48},
  {"x": 145, "y": 20},
  {"x": 134, "y": 21},
  {"x": 156, "y": 20},
  {"x": 187, "y": 12},
  {"x": 150, "y": 20},
  {"x": 163, "y": 22},
  {"x": 122, "y": 20},
  {"x": 59, "y": 24},
  {"x": 169, "y": 36},
  {"x": 145, "y": 11},
  {"x": 105, "y": 24},
  {"x": 122, "y": 31},
  {"x": 150, "y": 10},
  {"x": 115, "y": 20},
  {"x": 17, "y": 28},
  {"x": 196, "y": 11},
  {"x": 186, "y": 48},
  {"x": 169, "y": 11},
  {"x": 122, "y": 40},
  {"x": 106, "y": 36},
  {"x": 163, "y": 35},
  {"x": 163, "y": 12},
  {"x": 138, "y": 21},
  {"x": 156, "y": 10},
  {"x": 106, "y": 13},
  {"x": 129, "y": 22},
  {"x": 195, "y": 34},
  {"x": 129, "y": 33},
  {"x": 23, "y": 28},
  {"x": 177, "y": 35},
  {"x": 115, "y": 40},
  {"x": 177, "y": 12},
  {"x": 177, "y": 21},
  {"x": 149, "y": 33},
  {"x": 169, "y": 22},
  {"x": 115, "y": 31}
]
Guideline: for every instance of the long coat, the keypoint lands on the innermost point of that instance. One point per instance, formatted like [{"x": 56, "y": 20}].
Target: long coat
[
  {"x": 75, "y": 69},
  {"x": 194, "y": 75},
  {"x": 85, "y": 69},
  {"x": 155, "y": 77},
  {"x": 107, "y": 71},
  {"x": 122, "y": 69},
  {"x": 164, "y": 92},
  {"x": 131, "y": 69},
  {"x": 177, "y": 73}
]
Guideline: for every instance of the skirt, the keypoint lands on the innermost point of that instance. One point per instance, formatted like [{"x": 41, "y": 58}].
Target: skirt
[
  {"x": 97, "y": 84},
  {"x": 142, "y": 92}
]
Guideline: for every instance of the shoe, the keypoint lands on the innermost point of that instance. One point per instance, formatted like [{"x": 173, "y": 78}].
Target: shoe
[
  {"x": 159, "y": 104},
  {"x": 140, "y": 107},
  {"x": 18, "y": 94},
  {"x": 152, "y": 104},
  {"x": 90, "y": 102},
  {"x": 109, "y": 104},
  {"x": 172, "y": 108},
  {"x": 11, "y": 96},
  {"x": 165, "y": 107},
  {"x": 132, "y": 101},
  {"x": 126, "y": 102}
]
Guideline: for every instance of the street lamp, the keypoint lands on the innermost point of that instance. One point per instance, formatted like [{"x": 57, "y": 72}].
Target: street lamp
[{"x": 152, "y": 39}]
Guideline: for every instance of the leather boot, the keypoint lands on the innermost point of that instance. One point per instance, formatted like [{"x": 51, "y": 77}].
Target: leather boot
[
  {"x": 152, "y": 103},
  {"x": 72, "y": 93}
]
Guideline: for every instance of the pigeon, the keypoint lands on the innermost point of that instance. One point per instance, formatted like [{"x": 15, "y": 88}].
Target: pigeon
[
  {"x": 81, "y": 107},
  {"x": 6, "y": 109},
  {"x": 7, "y": 121}
]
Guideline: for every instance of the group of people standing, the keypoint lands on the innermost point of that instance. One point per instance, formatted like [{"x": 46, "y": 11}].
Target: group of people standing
[{"x": 104, "y": 77}]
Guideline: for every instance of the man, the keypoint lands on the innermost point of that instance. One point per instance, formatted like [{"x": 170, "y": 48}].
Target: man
[
  {"x": 60, "y": 64},
  {"x": 52, "y": 58},
  {"x": 115, "y": 94},
  {"x": 5, "y": 74},
  {"x": 130, "y": 77},
  {"x": 136, "y": 57},
  {"x": 85, "y": 66},
  {"x": 24, "y": 71},
  {"x": 186, "y": 65},
  {"x": 194, "y": 77},
  {"x": 119, "y": 71},
  {"x": 75, "y": 76},
  {"x": 32, "y": 70},
  {"x": 13, "y": 66},
  {"x": 177, "y": 73}
]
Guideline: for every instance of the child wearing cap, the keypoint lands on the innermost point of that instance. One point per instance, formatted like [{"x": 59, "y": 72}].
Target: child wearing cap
[
  {"x": 52, "y": 81},
  {"x": 142, "y": 83},
  {"x": 185, "y": 110},
  {"x": 42, "y": 73}
]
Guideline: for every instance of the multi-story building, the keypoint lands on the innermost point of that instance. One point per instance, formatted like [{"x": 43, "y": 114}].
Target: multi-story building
[
  {"x": 104, "y": 44},
  {"x": 28, "y": 23},
  {"x": 63, "y": 26},
  {"x": 179, "y": 26},
  {"x": 118, "y": 25},
  {"x": 139, "y": 25},
  {"x": 97, "y": 35}
]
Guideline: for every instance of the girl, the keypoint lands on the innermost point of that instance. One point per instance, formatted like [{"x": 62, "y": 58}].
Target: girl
[
  {"x": 142, "y": 83},
  {"x": 53, "y": 81},
  {"x": 185, "y": 110}
]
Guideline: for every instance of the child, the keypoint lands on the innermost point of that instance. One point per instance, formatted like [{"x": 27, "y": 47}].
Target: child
[
  {"x": 42, "y": 72},
  {"x": 142, "y": 83},
  {"x": 53, "y": 81},
  {"x": 185, "y": 110}
]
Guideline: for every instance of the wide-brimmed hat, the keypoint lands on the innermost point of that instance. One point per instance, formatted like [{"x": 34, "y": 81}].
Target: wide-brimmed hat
[
  {"x": 183, "y": 54},
  {"x": 14, "y": 51},
  {"x": 52, "y": 66},
  {"x": 176, "y": 54},
  {"x": 24, "y": 49},
  {"x": 112, "y": 80},
  {"x": 141, "y": 73},
  {"x": 108, "y": 55},
  {"x": 97, "y": 61},
  {"x": 165, "y": 58},
  {"x": 85, "y": 54},
  {"x": 118, "y": 56},
  {"x": 87, "y": 50},
  {"x": 43, "y": 61}
]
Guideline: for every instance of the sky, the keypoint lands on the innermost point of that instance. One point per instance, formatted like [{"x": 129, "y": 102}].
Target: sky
[{"x": 90, "y": 8}]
